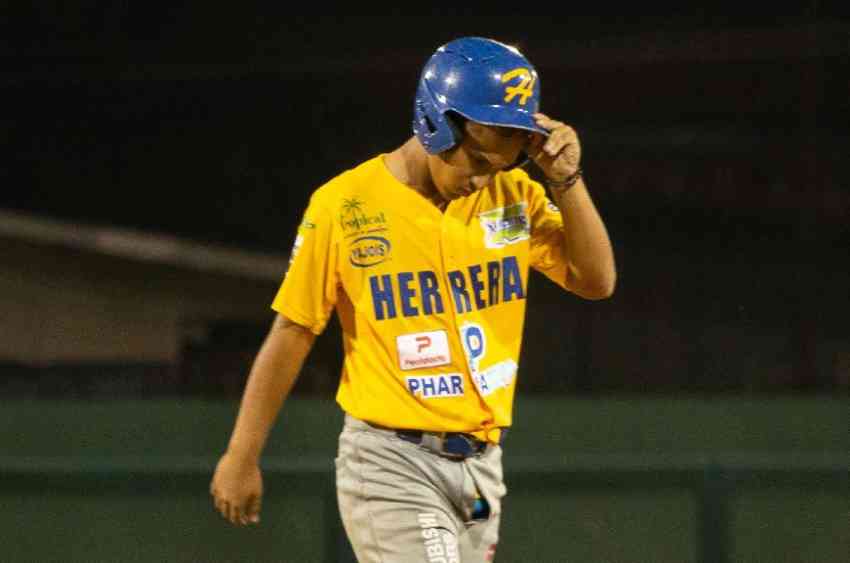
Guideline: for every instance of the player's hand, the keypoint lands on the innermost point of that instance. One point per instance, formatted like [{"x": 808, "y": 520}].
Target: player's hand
[
  {"x": 237, "y": 490},
  {"x": 559, "y": 155}
]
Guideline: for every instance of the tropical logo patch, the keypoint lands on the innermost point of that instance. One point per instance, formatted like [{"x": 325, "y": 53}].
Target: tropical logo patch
[
  {"x": 505, "y": 225},
  {"x": 356, "y": 219}
]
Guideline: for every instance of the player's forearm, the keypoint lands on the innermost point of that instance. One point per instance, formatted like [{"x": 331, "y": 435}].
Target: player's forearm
[
  {"x": 272, "y": 377},
  {"x": 591, "y": 272}
]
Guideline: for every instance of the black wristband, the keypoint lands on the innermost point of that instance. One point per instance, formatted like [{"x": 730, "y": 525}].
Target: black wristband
[{"x": 562, "y": 186}]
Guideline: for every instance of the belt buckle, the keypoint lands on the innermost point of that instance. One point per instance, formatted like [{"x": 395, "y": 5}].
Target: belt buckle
[
  {"x": 460, "y": 446},
  {"x": 453, "y": 445}
]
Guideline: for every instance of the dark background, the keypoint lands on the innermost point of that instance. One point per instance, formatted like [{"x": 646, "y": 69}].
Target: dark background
[{"x": 715, "y": 146}]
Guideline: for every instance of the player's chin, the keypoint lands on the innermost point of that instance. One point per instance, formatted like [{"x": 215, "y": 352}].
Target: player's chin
[
  {"x": 451, "y": 193},
  {"x": 456, "y": 189},
  {"x": 463, "y": 191}
]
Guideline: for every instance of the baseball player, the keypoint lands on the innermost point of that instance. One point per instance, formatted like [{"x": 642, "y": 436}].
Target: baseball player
[{"x": 424, "y": 252}]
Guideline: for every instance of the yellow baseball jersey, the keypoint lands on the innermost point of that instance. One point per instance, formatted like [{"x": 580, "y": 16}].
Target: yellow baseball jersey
[{"x": 431, "y": 302}]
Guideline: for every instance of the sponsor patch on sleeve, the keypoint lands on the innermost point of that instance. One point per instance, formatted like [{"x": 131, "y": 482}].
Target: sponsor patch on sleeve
[{"x": 296, "y": 246}]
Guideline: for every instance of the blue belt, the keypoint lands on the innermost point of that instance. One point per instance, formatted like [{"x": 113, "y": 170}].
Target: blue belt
[{"x": 456, "y": 445}]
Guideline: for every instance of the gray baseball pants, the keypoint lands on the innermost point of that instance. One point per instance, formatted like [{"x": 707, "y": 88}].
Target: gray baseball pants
[{"x": 402, "y": 503}]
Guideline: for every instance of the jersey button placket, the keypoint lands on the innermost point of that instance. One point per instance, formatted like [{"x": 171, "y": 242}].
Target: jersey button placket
[{"x": 448, "y": 257}]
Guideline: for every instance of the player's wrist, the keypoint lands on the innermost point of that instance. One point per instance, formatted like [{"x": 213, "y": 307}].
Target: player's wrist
[
  {"x": 559, "y": 187},
  {"x": 564, "y": 184},
  {"x": 242, "y": 454}
]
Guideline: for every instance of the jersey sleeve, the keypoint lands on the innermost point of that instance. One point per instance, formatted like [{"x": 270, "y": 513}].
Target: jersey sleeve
[
  {"x": 309, "y": 290},
  {"x": 548, "y": 254}
]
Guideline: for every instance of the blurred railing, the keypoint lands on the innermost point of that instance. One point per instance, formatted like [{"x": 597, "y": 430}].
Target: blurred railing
[{"x": 714, "y": 482}]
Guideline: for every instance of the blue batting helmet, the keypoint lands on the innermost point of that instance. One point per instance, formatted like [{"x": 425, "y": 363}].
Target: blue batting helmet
[{"x": 484, "y": 81}]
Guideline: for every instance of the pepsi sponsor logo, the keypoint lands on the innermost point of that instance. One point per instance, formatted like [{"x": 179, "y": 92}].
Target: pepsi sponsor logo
[
  {"x": 368, "y": 251},
  {"x": 433, "y": 386}
]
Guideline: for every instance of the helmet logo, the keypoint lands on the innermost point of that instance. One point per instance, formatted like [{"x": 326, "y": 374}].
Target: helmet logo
[{"x": 525, "y": 87}]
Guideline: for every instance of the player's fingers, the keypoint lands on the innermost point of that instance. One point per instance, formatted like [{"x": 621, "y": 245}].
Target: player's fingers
[
  {"x": 569, "y": 155},
  {"x": 227, "y": 511},
  {"x": 240, "y": 516},
  {"x": 547, "y": 122},
  {"x": 220, "y": 507},
  {"x": 554, "y": 145},
  {"x": 254, "y": 509},
  {"x": 559, "y": 139},
  {"x": 243, "y": 513},
  {"x": 542, "y": 118},
  {"x": 233, "y": 513}
]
